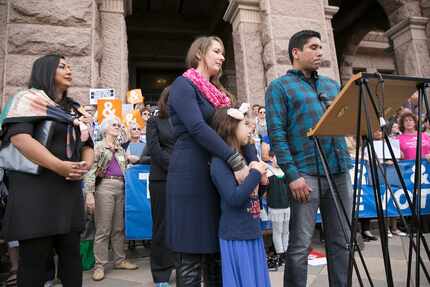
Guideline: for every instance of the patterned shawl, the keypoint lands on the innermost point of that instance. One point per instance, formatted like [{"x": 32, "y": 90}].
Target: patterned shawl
[{"x": 34, "y": 105}]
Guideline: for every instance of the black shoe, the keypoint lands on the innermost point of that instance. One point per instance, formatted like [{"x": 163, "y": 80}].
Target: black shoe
[
  {"x": 367, "y": 236},
  {"x": 131, "y": 244},
  {"x": 282, "y": 259},
  {"x": 272, "y": 263},
  {"x": 147, "y": 244}
]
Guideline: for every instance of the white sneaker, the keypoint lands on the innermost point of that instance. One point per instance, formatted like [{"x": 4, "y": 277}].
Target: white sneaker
[
  {"x": 399, "y": 233},
  {"x": 390, "y": 235}
]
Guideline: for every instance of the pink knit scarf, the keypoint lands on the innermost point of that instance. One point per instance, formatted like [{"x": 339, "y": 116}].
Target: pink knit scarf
[{"x": 216, "y": 97}]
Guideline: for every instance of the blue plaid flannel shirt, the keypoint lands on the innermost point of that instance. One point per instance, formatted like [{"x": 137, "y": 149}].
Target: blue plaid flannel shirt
[{"x": 293, "y": 106}]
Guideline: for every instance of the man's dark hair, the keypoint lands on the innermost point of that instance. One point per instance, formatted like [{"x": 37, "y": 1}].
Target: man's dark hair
[
  {"x": 43, "y": 77},
  {"x": 299, "y": 40}
]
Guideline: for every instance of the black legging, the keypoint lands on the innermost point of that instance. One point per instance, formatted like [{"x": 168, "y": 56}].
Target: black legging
[
  {"x": 33, "y": 253},
  {"x": 162, "y": 259}
]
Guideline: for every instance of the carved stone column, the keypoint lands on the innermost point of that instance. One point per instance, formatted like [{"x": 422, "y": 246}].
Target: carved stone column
[
  {"x": 410, "y": 46},
  {"x": 114, "y": 66},
  {"x": 244, "y": 15}
]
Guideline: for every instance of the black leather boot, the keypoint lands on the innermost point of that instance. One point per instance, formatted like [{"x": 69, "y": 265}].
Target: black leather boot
[
  {"x": 188, "y": 270},
  {"x": 212, "y": 270}
]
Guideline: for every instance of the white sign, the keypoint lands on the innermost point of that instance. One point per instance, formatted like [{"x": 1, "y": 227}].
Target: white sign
[
  {"x": 96, "y": 94},
  {"x": 382, "y": 149},
  {"x": 145, "y": 176}
]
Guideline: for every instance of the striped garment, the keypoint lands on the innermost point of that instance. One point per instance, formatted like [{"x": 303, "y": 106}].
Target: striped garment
[
  {"x": 33, "y": 105},
  {"x": 295, "y": 104}
]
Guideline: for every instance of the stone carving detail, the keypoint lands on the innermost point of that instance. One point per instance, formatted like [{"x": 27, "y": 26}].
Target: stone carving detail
[
  {"x": 39, "y": 40},
  {"x": 60, "y": 12}
]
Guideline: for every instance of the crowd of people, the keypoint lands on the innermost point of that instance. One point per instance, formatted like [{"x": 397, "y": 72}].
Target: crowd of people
[{"x": 215, "y": 165}]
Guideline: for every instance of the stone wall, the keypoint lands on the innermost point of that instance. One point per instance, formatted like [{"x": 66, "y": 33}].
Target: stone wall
[
  {"x": 3, "y": 18},
  {"x": 36, "y": 28},
  {"x": 372, "y": 54},
  {"x": 281, "y": 19}
]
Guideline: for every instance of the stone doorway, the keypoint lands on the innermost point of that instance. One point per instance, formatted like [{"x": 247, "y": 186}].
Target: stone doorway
[
  {"x": 159, "y": 33},
  {"x": 359, "y": 36},
  {"x": 392, "y": 32}
]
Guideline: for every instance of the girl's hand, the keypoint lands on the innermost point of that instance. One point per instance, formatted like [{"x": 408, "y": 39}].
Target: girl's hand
[
  {"x": 260, "y": 167},
  {"x": 274, "y": 162},
  {"x": 241, "y": 174},
  {"x": 264, "y": 180}
]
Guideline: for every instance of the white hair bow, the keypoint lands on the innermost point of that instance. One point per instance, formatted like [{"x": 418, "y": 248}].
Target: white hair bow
[
  {"x": 239, "y": 114},
  {"x": 235, "y": 114}
]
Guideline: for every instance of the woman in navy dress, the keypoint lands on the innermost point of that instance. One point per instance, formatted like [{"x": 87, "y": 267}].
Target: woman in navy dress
[{"x": 192, "y": 201}]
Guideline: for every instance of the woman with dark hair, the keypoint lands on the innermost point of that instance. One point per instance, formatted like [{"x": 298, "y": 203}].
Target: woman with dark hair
[
  {"x": 193, "y": 205},
  {"x": 160, "y": 143},
  {"x": 45, "y": 211}
]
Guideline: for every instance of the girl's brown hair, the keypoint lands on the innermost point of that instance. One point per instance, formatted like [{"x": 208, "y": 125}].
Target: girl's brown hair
[
  {"x": 402, "y": 118},
  {"x": 162, "y": 103},
  {"x": 197, "y": 51},
  {"x": 226, "y": 127}
]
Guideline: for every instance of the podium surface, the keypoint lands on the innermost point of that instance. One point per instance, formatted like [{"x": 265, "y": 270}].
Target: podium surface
[{"x": 340, "y": 119}]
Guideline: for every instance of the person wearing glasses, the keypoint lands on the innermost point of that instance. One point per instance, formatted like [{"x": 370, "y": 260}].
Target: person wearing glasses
[
  {"x": 261, "y": 122},
  {"x": 105, "y": 198},
  {"x": 135, "y": 146}
]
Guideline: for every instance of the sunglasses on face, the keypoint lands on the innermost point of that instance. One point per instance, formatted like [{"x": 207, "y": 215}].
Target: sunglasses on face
[
  {"x": 146, "y": 114},
  {"x": 262, "y": 112},
  {"x": 115, "y": 125},
  {"x": 135, "y": 129}
]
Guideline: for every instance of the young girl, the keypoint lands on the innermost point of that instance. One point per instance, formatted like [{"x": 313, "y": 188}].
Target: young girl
[
  {"x": 279, "y": 208},
  {"x": 242, "y": 249}
]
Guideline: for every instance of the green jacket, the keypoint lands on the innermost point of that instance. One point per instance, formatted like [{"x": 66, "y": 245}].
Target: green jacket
[{"x": 102, "y": 156}]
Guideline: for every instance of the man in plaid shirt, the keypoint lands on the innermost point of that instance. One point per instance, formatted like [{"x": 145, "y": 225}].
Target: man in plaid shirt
[{"x": 294, "y": 103}]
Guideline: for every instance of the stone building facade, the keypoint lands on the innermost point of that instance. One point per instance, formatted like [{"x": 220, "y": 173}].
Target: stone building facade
[{"x": 118, "y": 43}]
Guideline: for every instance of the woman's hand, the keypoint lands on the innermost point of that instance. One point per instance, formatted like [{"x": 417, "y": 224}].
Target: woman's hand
[
  {"x": 90, "y": 203},
  {"x": 260, "y": 167},
  {"x": 240, "y": 175},
  {"x": 132, "y": 158},
  {"x": 72, "y": 170}
]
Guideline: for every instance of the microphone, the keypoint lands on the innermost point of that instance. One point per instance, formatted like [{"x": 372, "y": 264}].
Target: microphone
[{"x": 324, "y": 99}]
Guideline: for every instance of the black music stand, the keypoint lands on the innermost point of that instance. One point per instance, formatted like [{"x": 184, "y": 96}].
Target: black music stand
[{"x": 350, "y": 115}]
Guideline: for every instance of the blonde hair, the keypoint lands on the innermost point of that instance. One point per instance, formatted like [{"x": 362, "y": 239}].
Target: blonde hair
[{"x": 197, "y": 51}]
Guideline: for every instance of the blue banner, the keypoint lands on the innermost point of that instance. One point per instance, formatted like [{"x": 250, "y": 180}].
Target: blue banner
[
  {"x": 407, "y": 168},
  {"x": 138, "y": 219}
]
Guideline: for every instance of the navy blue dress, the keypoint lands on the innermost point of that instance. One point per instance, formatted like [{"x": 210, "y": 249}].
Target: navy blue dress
[{"x": 192, "y": 201}]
